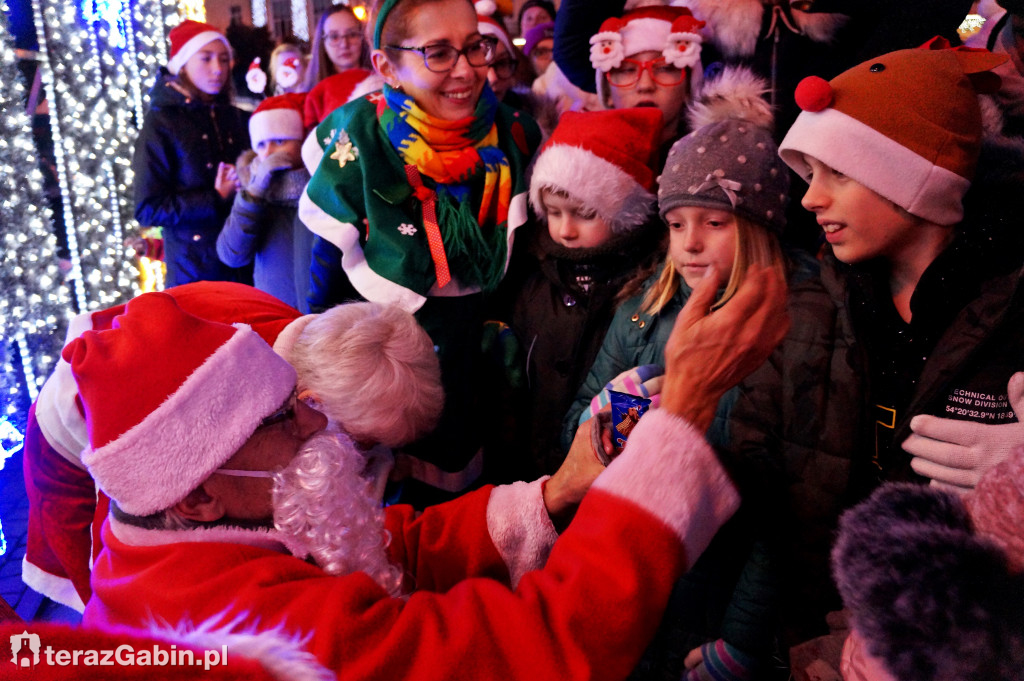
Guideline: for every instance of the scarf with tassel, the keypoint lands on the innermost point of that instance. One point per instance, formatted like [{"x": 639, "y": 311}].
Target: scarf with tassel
[{"x": 454, "y": 154}]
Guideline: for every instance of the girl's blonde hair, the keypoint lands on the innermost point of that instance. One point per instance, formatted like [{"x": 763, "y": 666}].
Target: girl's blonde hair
[{"x": 755, "y": 245}]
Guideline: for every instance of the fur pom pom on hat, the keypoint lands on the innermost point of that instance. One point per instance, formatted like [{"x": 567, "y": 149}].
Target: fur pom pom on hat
[
  {"x": 168, "y": 398},
  {"x": 189, "y": 37},
  {"x": 603, "y": 159},
  {"x": 932, "y": 600},
  {"x": 906, "y": 125},
  {"x": 729, "y": 161},
  {"x": 278, "y": 118}
]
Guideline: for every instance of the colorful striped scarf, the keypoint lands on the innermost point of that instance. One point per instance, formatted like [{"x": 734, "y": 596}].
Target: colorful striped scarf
[{"x": 454, "y": 154}]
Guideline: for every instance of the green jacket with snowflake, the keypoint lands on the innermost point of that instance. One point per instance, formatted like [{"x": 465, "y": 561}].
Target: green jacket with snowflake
[{"x": 370, "y": 244}]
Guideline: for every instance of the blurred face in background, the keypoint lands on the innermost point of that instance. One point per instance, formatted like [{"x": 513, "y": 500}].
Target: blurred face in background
[
  {"x": 209, "y": 68},
  {"x": 343, "y": 40}
]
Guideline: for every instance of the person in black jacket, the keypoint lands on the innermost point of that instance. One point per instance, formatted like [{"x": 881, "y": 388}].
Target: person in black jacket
[{"x": 184, "y": 177}]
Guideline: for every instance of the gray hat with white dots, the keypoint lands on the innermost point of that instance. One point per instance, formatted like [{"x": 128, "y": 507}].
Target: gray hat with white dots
[{"x": 733, "y": 165}]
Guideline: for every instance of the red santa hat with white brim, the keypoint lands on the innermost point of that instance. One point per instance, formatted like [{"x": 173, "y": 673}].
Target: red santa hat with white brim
[
  {"x": 488, "y": 26},
  {"x": 169, "y": 398},
  {"x": 278, "y": 118},
  {"x": 603, "y": 159},
  {"x": 189, "y": 37}
]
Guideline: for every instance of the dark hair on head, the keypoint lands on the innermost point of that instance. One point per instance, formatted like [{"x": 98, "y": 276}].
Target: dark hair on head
[
  {"x": 545, "y": 5},
  {"x": 320, "y": 65},
  {"x": 396, "y": 24}
]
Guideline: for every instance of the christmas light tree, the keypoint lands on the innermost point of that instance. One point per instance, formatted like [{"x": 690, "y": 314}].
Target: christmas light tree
[{"x": 34, "y": 303}]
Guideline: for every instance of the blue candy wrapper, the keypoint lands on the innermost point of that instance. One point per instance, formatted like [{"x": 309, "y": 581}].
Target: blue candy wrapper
[{"x": 626, "y": 412}]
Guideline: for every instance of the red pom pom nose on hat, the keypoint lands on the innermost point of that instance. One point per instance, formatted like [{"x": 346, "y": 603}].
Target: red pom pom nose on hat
[
  {"x": 813, "y": 94},
  {"x": 189, "y": 37},
  {"x": 168, "y": 398}
]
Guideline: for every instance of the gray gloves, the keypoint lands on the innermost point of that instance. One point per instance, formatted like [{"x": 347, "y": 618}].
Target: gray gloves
[{"x": 261, "y": 172}]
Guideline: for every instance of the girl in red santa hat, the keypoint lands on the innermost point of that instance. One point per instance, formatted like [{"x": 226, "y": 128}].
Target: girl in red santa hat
[{"x": 184, "y": 158}]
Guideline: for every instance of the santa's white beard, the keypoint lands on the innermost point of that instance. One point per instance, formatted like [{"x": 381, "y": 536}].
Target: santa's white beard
[{"x": 326, "y": 509}]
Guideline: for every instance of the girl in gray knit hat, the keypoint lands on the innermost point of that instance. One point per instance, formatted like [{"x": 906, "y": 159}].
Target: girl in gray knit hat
[{"x": 722, "y": 195}]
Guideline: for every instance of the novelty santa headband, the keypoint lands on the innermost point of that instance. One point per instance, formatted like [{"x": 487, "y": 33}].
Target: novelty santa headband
[{"x": 672, "y": 31}]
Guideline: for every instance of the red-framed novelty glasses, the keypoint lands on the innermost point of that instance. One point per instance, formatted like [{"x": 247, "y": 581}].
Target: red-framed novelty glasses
[{"x": 629, "y": 72}]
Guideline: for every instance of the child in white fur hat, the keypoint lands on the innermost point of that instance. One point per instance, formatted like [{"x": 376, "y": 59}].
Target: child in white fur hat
[{"x": 260, "y": 227}]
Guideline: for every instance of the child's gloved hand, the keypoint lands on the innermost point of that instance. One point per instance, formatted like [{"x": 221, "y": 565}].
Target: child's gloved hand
[
  {"x": 262, "y": 172},
  {"x": 955, "y": 454}
]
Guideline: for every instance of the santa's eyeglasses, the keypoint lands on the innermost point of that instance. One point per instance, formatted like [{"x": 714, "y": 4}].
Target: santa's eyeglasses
[{"x": 629, "y": 72}]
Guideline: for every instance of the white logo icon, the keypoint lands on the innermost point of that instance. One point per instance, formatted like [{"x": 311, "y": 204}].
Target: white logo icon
[{"x": 25, "y": 649}]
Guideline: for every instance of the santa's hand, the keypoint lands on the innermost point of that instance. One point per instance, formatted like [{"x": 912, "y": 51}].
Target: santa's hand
[
  {"x": 709, "y": 352},
  {"x": 955, "y": 454},
  {"x": 262, "y": 172},
  {"x": 564, "y": 490}
]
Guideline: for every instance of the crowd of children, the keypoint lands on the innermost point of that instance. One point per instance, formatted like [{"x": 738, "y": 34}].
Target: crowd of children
[{"x": 544, "y": 212}]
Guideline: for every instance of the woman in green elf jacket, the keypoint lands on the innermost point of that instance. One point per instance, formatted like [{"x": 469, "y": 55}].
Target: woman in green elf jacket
[{"x": 416, "y": 195}]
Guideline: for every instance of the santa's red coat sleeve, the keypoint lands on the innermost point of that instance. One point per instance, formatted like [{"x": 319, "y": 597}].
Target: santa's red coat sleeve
[
  {"x": 587, "y": 614},
  {"x": 62, "y": 535}
]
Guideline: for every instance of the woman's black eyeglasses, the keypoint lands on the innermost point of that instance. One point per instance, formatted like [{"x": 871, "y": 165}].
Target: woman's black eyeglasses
[
  {"x": 443, "y": 58},
  {"x": 505, "y": 67}
]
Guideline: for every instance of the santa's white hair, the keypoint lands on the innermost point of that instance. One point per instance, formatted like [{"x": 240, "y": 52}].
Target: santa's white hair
[{"x": 325, "y": 509}]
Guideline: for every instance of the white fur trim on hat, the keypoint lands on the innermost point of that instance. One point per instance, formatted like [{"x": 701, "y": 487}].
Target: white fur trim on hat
[
  {"x": 194, "y": 44},
  {"x": 157, "y": 462},
  {"x": 275, "y": 124},
  {"x": 880, "y": 163},
  {"x": 617, "y": 197}
]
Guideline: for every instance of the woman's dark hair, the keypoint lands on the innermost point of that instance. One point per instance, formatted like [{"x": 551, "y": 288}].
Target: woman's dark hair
[
  {"x": 396, "y": 24},
  {"x": 320, "y": 65}
]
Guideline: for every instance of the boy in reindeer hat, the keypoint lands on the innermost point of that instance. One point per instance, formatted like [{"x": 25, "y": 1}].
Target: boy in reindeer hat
[
  {"x": 260, "y": 227},
  {"x": 927, "y": 315}
]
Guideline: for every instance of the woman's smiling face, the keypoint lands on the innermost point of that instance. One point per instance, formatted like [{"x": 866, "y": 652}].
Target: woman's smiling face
[{"x": 449, "y": 96}]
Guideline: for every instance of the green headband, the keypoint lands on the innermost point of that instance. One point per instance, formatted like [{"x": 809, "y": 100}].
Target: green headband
[{"x": 382, "y": 15}]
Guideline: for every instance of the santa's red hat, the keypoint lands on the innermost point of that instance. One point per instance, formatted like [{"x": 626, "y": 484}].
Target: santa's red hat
[
  {"x": 169, "y": 398},
  {"x": 604, "y": 159},
  {"x": 278, "y": 118},
  {"x": 189, "y": 37}
]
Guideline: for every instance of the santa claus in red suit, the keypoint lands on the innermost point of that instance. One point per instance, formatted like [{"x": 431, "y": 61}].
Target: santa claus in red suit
[
  {"x": 338, "y": 355},
  {"x": 232, "y": 505}
]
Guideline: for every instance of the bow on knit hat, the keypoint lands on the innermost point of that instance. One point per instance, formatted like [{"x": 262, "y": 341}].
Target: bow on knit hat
[
  {"x": 168, "y": 398},
  {"x": 906, "y": 125},
  {"x": 278, "y": 118},
  {"x": 189, "y": 37},
  {"x": 604, "y": 160}
]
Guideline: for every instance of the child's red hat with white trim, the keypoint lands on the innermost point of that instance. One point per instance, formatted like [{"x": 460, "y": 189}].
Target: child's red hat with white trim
[
  {"x": 189, "y": 37},
  {"x": 278, "y": 118},
  {"x": 604, "y": 160}
]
